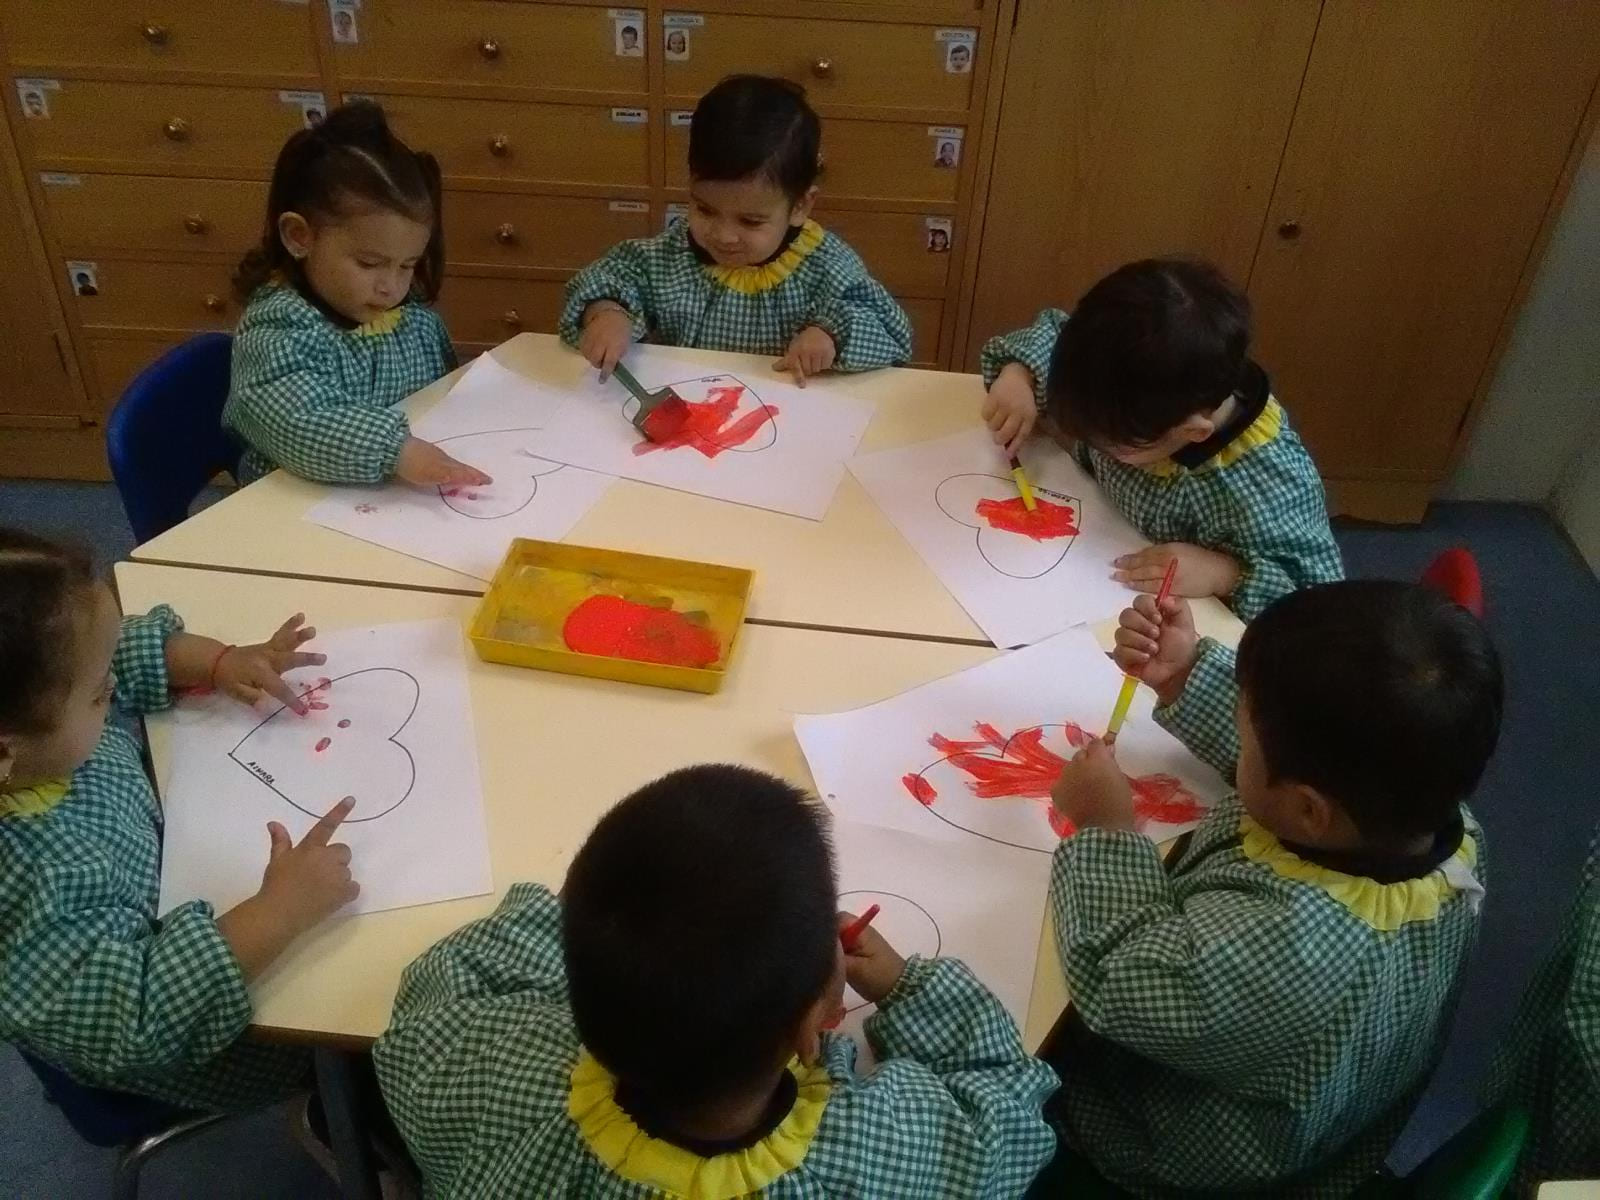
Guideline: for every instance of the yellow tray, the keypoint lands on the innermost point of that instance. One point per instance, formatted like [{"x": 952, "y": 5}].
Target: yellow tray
[{"x": 521, "y": 617}]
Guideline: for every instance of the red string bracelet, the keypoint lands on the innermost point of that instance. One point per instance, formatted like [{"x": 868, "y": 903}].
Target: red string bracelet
[{"x": 211, "y": 678}]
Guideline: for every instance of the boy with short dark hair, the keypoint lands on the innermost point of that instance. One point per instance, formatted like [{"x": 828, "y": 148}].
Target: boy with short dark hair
[
  {"x": 1261, "y": 1014},
  {"x": 661, "y": 1028},
  {"x": 1151, "y": 378}
]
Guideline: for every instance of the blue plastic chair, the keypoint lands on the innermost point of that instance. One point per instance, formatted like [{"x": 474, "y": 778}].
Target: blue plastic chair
[{"x": 165, "y": 438}]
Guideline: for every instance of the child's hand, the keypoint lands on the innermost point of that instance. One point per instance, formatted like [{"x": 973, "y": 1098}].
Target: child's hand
[
  {"x": 872, "y": 967},
  {"x": 1201, "y": 572},
  {"x": 305, "y": 883},
  {"x": 607, "y": 334},
  {"x": 247, "y": 673},
  {"x": 810, "y": 353},
  {"x": 1009, "y": 409},
  {"x": 425, "y": 465},
  {"x": 1093, "y": 791},
  {"x": 1158, "y": 648}
]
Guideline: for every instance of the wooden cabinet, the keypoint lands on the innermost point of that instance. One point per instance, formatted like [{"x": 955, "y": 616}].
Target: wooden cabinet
[
  {"x": 559, "y": 233},
  {"x": 94, "y": 214}
]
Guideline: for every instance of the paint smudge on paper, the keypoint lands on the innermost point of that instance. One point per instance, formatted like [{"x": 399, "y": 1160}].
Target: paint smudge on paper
[
  {"x": 1045, "y": 522},
  {"x": 323, "y": 744},
  {"x": 919, "y": 788},
  {"x": 711, "y": 427},
  {"x": 612, "y": 627}
]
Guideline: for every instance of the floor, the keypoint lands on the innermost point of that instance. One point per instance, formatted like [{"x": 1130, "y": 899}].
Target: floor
[{"x": 1538, "y": 804}]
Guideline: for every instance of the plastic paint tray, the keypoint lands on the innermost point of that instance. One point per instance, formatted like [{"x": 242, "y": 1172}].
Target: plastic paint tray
[{"x": 521, "y": 617}]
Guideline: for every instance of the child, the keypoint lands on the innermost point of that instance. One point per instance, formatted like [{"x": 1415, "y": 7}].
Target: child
[
  {"x": 749, "y": 271},
  {"x": 660, "y": 1028},
  {"x": 1261, "y": 1014},
  {"x": 90, "y": 979},
  {"x": 336, "y": 330},
  {"x": 1150, "y": 377}
]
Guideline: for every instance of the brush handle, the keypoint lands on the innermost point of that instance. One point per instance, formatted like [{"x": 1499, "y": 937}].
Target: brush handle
[{"x": 635, "y": 388}]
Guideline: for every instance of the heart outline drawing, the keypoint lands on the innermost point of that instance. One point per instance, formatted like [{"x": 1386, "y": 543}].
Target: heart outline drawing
[
  {"x": 906, "y": 945},
  {"x": 504, "y": 460},
  {"x": 705, "y": 390},
  {"x": 1014, "y": 555},
  {"x": 271, "y": 779}
]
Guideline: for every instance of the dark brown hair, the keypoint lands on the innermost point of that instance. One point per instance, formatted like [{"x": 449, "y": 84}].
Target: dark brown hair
[
  {"x": 750, "y": 125},
  {"x": 42, "y": 585},
  {"x": 349, "y": 161}
]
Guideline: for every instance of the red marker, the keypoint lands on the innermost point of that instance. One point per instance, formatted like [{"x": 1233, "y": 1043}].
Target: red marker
[{"x": 851, "y": 933}]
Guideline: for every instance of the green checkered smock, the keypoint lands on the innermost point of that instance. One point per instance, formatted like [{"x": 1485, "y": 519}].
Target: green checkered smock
[
  {"x": 1258, "y": 499},
  {"x": 676, "y": 299},
  {"x": 1551, "y": 1064},
  {"x": 319, "y": 401},
  {"x": 90, "y": 979},
  {"x": 486, "y": 1079},
  {"x": 1245, "y": 1019}
]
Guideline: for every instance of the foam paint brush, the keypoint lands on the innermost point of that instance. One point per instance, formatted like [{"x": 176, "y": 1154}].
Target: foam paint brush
[{"x": 662, "y": 413}]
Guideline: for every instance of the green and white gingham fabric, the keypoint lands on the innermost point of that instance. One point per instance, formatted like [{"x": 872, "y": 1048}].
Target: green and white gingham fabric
[
  {"x": 1241, "y": 1030},
  {"x": 1267, "y": 507},
  {"x": 319, "y": 401},
  {"x": 1551, "y": 1062},
  {"x": 676, "y": 300},
  {"x": 475, "y": 1067},
  {"x": 90, "y": 979}
]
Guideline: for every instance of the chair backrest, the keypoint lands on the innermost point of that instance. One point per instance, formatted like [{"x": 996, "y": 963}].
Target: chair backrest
[
  {"x": 1455, "y": 573},
  {"x": 101, "y": 1117},
  {"x": 165, "y": 439}
]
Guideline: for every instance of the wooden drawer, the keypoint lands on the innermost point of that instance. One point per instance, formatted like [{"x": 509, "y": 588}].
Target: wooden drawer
[
  {"x": 160, "y": 295},
  {"x": 926, "y": 318},
  {"x": 554, "y": 232},
  {"x": 490, "y": 42},
  {"x": 543, "y": 143},
  {"x": 258, "y": 37},
  {"x": 840, "y": 62},
  {"x": 113, "y": 362},
  {"x": 476, "y": 309},
  {"x": 166, "y": 126},
  {"x": 895, "y": 247},
  {"x": 879, "y": 159},
  {"x": 142, "y": 212}
]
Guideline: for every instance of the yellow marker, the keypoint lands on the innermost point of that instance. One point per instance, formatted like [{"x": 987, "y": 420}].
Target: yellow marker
[
  {"x": 1119, "y": 714},
  {"x": 1023, "y": 486}
]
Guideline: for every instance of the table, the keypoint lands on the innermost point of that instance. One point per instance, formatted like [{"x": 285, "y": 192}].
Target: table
[
  {"x": 542, "y": 792},
  {"x": 1572, "y": 1189},
  {"x": 850, "y": 571}
]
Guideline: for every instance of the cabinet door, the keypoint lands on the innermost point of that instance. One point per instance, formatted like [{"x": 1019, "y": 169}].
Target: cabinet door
[
  {"x": 1130, "y": 129},
  {"x": 36, "y": 390},
  {"x": 1429, "y": 139}
]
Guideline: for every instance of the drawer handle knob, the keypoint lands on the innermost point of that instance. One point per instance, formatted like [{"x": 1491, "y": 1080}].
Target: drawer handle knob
[
  {"x": 500, "y": 145},
  {"x": 177, "y": 130},
  {"x": 506, "y": 235},
  {"x": 196, "y": 224},
  {"x": 490, "y": 48},
  {"x": 215, "y": 303},
  {"x": 511, "y": 319},
  {"x": 1289, "y": 230},
  {"x": 822, "y": 68},
  {"x": 156, "y": 35}
]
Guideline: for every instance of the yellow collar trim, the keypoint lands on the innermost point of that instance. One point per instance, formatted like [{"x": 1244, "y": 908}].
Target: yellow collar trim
[
  {"x": 632, "y": 1153},
  {"x": 31, "y": 801},
  {"x": 1258, "y": 433},
  {"x": 384, "y": 323},
  {"x": 753, "y": 280},
  {"x": 1384, "y": 906}
]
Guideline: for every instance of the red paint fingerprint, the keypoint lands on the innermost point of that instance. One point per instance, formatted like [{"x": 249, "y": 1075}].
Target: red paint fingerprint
[
  {"x": 920, "y": 789},
  {"x": 323, "y": 744},
  {"x": 449, "y": 491},
  {"x": 345, "y": 724},
  {"x": 709, "y": 428},
  {"x": 1046, "y": 521},
  {"x": 616, "y": 628}
]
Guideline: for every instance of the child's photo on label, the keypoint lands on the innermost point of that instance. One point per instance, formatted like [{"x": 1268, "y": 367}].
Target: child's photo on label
[
  {"x": 343, "y": 17},
  {"x": 948, "y": 154},
  {"x": 629, "y": 43},
  {"x": 958, "y": 49},
  {"x": 939, "y": 234},
  {"x": 677, "y": 45},
  {"x": 34, "y": 97},
  {"x": 84, "y": 278}
]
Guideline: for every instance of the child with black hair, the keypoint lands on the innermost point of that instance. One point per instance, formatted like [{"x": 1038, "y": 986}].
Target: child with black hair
[
  {"x": 1260, "y": 1013},
  {"x": 748, "y": 271},
  {"x": 660, "y": 1028},
  {"x": 336, "y": 329},
  {"x": 91, "y": 980},
  {"x": 1151, "y": 379}
]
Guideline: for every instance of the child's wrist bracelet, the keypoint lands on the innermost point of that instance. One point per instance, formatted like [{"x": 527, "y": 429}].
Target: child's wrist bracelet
[{"x": 211, "y": 677}]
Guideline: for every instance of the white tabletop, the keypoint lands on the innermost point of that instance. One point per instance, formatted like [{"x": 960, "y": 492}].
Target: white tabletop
[
  {"x": 543, "y": 787},
  {"x": 851, "y": 570}
]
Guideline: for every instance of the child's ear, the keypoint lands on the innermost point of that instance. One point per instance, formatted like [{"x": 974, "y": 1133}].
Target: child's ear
[
  {"x": 296, "y": 234},
  {"x": 1318, "y": 819},
  {"x": 800, "y": 210},
  {"x": 8, "y": 759},
  {"x": 1197, "y": 427},
  {"x": 824, "y": 1014}
]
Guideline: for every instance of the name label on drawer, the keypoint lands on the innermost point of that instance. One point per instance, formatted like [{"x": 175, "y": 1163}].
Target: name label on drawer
[
  {"x": 628, "y": 206},
  {"x": 679, "y": 20},
  {"x": 630, "y": 116},
  {"x": 957, "y": 47},
  {"x": 625, "y": 14},
  {"x": 681, "y": 117},
  {"x": 60, "y": 179}
]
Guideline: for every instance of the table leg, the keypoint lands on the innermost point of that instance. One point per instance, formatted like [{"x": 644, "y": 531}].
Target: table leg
[{"x": 343, "y": 1104}]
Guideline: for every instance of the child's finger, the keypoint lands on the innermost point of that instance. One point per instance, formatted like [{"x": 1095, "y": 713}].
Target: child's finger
[
  {"x": 990, "y": 409},
  {"x": 322, "y": 832},
  {"x": 277, "y": 840},
  {"x": 1141, "y": 573},
  {"x": 275, "y": 687},
  {"x": 288, "y": 634},
  {"x": 1128, "y": 639},
  {"x": 1139, "y": 621},
  {"x": 288, "y": 660},
  {"x": 1139, "y": 559}
]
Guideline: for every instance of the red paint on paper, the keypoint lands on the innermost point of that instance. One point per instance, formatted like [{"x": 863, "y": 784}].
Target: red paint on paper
[
  {"x": 616, "y": 628},
  {"x": 345, "y": 724},
  {"x": 710, "y": 427},
  {"x": 920, "y": 789},
  {"x": 323, "y": 744},
  {"x": 1048, "y": 520}
]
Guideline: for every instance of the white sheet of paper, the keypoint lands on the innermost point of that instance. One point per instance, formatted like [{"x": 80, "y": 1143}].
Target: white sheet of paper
[
  {"x": 970, "y": 900},
  {"x": 396, "y": 733},
  {"x": 488, "y": 420},
  {"x": 945, "y": 496},
  {"x": 972, "y": 757},
  {"x": 761, "y": 441}
]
